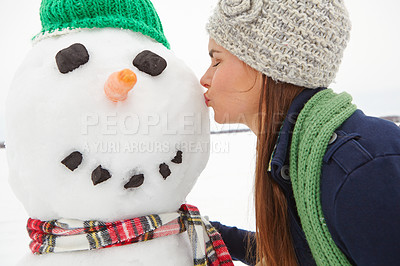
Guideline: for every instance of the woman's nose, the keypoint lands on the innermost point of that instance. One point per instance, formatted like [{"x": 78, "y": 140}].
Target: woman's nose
[
  {"x": 205, "y": 80},
  {"x": 119, "y": 84}
]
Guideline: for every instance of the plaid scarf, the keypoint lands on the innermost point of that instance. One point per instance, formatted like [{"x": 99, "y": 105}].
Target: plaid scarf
[{"x": 73, "y": 235}]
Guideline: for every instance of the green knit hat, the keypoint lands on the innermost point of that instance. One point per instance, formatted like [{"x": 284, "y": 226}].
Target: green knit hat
[{"x": 135, "y": 15}]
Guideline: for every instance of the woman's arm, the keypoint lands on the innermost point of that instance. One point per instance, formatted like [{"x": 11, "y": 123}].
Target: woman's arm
[
  {"x": 368, "y": 212},
  {"x": 238, "y": 242}
]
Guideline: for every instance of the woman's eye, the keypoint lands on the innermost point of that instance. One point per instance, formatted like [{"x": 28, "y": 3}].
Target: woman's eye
[
  {"x": 216, "y": 64},
  {"x": 150, "y": 63}
]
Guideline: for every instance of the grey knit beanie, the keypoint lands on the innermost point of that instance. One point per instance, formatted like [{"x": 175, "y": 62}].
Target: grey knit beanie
[{"x": 294, "y": 41}]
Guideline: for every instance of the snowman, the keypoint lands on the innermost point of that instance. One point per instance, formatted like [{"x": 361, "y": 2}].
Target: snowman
[{"x": 107, "y": 133}]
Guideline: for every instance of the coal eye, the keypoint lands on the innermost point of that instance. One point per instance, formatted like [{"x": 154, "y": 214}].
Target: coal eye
[
  {"x": 71, "y": 58},
  {"x": 150, "y": 63}
]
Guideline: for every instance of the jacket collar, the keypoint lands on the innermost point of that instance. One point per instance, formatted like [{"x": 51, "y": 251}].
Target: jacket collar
[{"x": 279, "y": 163}]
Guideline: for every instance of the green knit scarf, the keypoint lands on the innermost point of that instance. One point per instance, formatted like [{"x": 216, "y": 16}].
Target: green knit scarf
[{"x": 317, "y": 121}]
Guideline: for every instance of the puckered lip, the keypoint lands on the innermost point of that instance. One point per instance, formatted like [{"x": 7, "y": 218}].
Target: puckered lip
[{"x": 206, "y": 99}]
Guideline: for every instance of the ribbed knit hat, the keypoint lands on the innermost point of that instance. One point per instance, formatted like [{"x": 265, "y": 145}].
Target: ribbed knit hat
[
  {"x": 294, "y": 41},
  {"x": 136, "y": 15}
]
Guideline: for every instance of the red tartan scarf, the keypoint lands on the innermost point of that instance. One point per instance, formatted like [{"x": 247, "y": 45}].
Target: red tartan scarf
[{"x": 73, "y": 235}]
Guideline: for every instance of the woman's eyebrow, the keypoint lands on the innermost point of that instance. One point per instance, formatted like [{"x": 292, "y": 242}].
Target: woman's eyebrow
[{"x": 212, "y": 51}]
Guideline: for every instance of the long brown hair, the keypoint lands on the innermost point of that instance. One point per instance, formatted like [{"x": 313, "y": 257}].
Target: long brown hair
[{"x": 273, "y": 238}]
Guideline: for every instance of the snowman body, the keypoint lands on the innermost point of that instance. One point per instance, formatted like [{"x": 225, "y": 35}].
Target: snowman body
[{"x": 160, "y": 132}]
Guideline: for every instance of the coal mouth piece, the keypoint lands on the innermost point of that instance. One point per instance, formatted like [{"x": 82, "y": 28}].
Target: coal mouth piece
[{"x": 101, "y": 174}]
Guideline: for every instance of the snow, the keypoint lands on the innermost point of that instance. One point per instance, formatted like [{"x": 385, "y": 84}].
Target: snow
[
  {"x": 223, "y": 192},
  {"x": 52, "y": 115},
  {"x": 66, "y": 113},
  {"x": 157, "y": 134}
]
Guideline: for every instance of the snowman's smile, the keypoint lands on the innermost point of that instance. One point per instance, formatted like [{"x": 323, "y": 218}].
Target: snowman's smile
[{"x": 100, "y": 174}]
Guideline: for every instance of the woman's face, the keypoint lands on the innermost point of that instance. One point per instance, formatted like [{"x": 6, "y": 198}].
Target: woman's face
[{"x": 233, "y": 88}]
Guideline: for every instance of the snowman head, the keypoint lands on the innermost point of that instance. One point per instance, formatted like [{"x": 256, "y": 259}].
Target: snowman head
[{"x": 103, "y": 121}]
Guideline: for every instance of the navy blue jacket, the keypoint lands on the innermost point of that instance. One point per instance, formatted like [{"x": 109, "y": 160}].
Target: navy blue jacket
[{"x": 360, "y": 190}]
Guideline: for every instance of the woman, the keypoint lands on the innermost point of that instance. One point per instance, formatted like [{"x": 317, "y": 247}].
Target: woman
[{"x": 327, "y": 180}]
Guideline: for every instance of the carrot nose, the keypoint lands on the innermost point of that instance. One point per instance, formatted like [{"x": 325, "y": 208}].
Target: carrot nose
[{"x": 119, "y": 84}]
